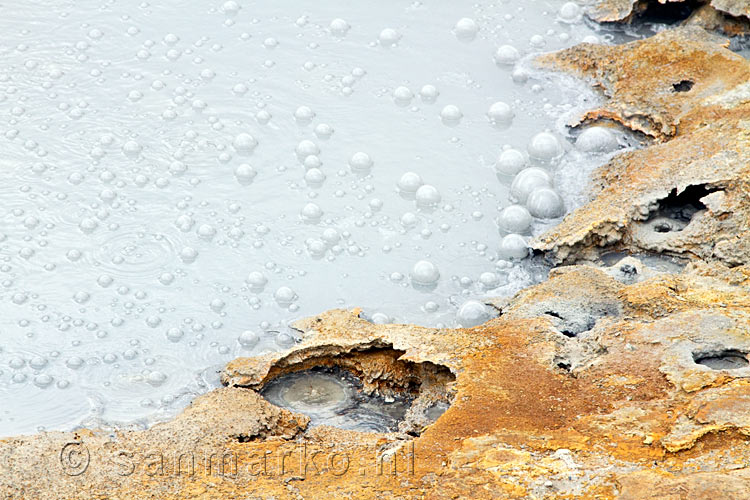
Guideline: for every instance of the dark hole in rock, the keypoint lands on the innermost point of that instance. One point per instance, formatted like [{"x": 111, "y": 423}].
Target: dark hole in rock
[
  {"x": 653, "y": 12},
  {"x": 554, "y": 314},
  {"x": 683, "y": 86},
  {"x": 728, "y": 359},
  {"x": 562, "y": 363},
  {"x": 578, "y": 321},
  {"x": 334, "y": 397},
  {"x": 676, "y": 211},
  {"x": 683, "y": 206}
]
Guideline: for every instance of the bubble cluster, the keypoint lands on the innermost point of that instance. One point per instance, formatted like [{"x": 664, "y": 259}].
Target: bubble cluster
[{"x": 182, "y": 182}]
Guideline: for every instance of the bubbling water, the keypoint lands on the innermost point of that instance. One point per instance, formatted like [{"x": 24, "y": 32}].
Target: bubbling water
[{"x": 180, "y": 181}]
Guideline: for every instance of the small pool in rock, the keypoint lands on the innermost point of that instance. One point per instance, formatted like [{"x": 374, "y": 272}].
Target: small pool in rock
[
  {"x": 729, "y": 359},
  {"x": 334, "y": 397}
]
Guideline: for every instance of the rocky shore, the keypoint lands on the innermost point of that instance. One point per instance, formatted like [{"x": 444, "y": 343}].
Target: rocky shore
[{"x": 624, "y": 375}]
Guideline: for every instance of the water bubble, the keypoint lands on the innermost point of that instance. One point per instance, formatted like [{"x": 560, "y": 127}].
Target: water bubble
[
  {"x": 510, "y": 162},
  {"x": 175, "y": 334},
  {"x": 425, "y": 272},
  {"x": 429, "y": 94},
  {"x": 323, "y": 131},
  {"x": 513, "y": 246},
  {"x": 248, "y": 339},
  {"x": 506, "y": 55},
  {"x": 409, "y": 182},
  {"x": 339, "y": 27},
  {"x": 81, "y": 297},
  {"x": 230, "y": 8},
  {"x": 188, "y": 255},
  {"x": 428, "y": 196},
  {"x": 244, "y": 144},
  {"x": 545, "y": 147},
  {"x": 311, "y": 212},
  {"x": 206, "y": 231},
  {"x": 256, "y": 280},
  {"x": 284, "y": 295},
  {"x": 451, "y": 115},
  {"x": 389, "y": 37},
  {"x": 570, "y": 12},
  {"x": 473, "y": 313},
  {"x": 156, "y": 378},
  {"x": 43, "y": 380},
  {"x": 285, "y": 340},
  {"x": 489, "y": 280},
  {"x": 360, "y": 162},
  {"x": 263, "y": 117},
  {"x": 402, "y": 96},
  {"x": 514, "y": 219},
  {"x": 315, "y": 177},
  {"x": 380, "y": 318},
  {"x": 16, "y": 363},
  {"x": 312, "y": 161},
  {"x": 304, "y": 115},
  {"x": 171, "y": 39},
  {"x": 245, "y": 173},
  {"x": 270, "y": 43},
  {"x": 545, "y": 203},
  {"x": 465, "y": 29},
  {"x": 596, "y": 140},
  {"x": 409, "y": 219},
  {"x": 153, "y": 321},
  {"x": 132, "y": 149},
  {"x": 528, "y": 180},
  {"x": 88, "y": 225},
  {"x": 74, "y": 362},
  {"x": 166, "y": 278},
  {"x": 104, "y": 280},
  {"x": 38, "y": 362},
  {"x": 330, "y": 236},
  {"x": 500, "y": 114},
  {"x": 217, "y": 305},
  {"x": 306, "y": 148}
]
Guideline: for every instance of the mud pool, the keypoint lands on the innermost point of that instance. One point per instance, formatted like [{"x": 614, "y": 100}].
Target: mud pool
[{"x": 180, "y": 180}]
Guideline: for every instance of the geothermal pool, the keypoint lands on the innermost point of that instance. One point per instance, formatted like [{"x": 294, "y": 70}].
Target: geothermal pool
[{"x": 181, "y": 180}]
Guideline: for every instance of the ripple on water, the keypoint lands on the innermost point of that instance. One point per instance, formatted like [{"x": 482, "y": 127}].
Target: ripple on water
[{"x": 134, "y": 253}]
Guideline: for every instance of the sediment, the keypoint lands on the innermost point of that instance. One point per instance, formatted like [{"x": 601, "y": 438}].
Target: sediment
[{"x": 601, "y": 382}]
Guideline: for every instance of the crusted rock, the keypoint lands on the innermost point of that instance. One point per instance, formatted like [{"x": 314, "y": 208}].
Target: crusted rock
[
  {"x": 731, "y": 17},
  {"x": 685, "y": 195},
  {"x": 633, "y": 400}
]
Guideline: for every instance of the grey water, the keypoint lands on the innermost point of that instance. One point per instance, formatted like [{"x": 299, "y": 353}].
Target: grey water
[{"x": 181, "y": 179}]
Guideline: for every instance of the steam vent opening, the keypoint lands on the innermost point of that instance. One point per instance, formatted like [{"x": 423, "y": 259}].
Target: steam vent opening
[
  {"x": 677, "y": 210},
  {"x": 371, "y": 390},
  {"x": 728, "y": 359}
]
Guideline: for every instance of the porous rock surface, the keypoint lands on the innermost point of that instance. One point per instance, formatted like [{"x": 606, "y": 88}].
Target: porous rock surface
[
  {"x": 587, "y": 386},
  {"x": 730, "y": 16},
  {"x": 692, "y": 96}
]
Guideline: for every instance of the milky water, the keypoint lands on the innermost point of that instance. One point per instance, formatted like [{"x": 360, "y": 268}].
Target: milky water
[{"x": 180, "y": 180}]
